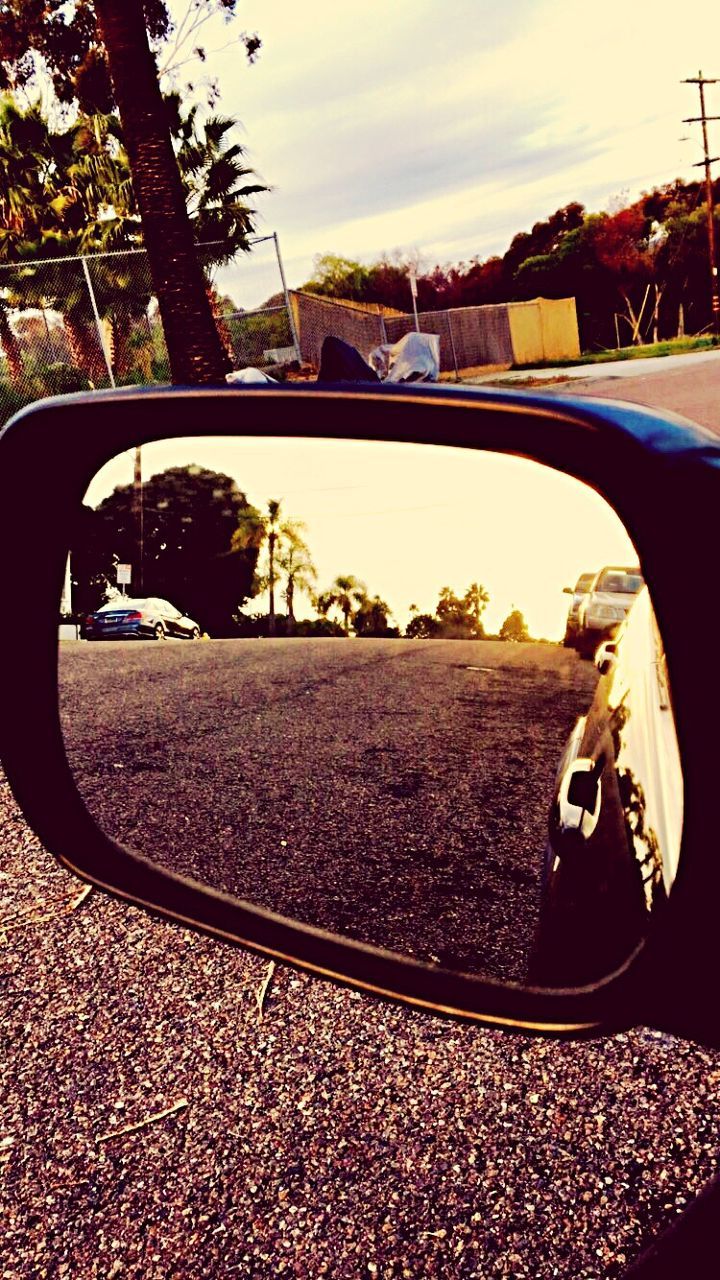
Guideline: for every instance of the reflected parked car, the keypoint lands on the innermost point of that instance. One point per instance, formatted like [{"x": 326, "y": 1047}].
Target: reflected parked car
[
  {"x": 616, "y": 818},
  {"x": 149, "y": 619},
  {"x": 578, "y": 593},
  {"x": 605, "y": 606}
]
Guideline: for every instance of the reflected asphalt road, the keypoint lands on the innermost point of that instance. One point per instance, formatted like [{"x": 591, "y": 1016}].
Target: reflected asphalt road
[{"x": 394, "y": 790}]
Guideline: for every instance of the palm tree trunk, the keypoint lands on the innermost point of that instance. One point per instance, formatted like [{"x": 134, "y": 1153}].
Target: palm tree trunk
[
  {"x": 290, "y": 602},
  {"x": 271, "y": 574},
  {"x": 194, "y": 348},
  {"x": 222, "y": 328},
  {"x": 120, "y": 327},
  {"x": 11, "y": 350},
  {"x": 85, "y": 350}
]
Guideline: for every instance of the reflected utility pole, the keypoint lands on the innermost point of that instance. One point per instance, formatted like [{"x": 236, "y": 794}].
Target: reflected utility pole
[
  {"x": 700, "y": 80},
  {"x": 138, "y": 514}
]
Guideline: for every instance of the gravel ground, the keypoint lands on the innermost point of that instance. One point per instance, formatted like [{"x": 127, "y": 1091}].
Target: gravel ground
[{"x": 338, "y": 1135}]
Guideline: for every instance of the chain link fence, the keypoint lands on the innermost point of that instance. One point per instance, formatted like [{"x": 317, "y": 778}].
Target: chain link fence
[
  {"x": 318, "y": 318},
  {"x": 83, "y": 323},
  {"x": 79, "y": 323},
  {"x": 470, "y": 337}
]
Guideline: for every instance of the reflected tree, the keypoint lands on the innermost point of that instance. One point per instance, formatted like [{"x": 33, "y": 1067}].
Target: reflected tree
[
  {"x": 346, "y": 594},
  {"x": 514, "y": 627}
]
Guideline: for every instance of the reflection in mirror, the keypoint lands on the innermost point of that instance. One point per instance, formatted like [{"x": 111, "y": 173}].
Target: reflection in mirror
[{"x": 347, "y": 682}]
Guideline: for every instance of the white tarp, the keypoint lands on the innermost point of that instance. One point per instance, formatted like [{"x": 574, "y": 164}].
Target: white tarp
[
  {"x": 415, "y": 358},
  {"x": 247, "y": 377}
]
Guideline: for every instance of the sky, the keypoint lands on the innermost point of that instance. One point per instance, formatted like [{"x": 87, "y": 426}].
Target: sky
[
  {"x": 443, "y": 129},
  {"x": 408, "y": 520}
]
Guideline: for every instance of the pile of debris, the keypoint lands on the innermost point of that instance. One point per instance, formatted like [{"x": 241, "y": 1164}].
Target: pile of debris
[{"x": 415, "y": 358}]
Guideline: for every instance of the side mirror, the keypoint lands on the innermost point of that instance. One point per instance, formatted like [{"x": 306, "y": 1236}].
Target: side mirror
[
  {"x": 605, "y": 657},
  {"x": 376, "y": 812}
]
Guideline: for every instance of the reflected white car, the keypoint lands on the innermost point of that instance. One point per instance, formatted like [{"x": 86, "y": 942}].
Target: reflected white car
[{"x": 605, "y": 607}]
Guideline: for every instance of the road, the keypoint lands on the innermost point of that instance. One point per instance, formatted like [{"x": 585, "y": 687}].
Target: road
[
  {"x": 687, "y": 384},
  {"x": 692, "y": 390},
  {"x": 396, "y": 790}
]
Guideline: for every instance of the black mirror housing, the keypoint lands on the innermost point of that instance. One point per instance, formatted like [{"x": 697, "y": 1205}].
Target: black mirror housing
[{"x": 661, "y": 476}]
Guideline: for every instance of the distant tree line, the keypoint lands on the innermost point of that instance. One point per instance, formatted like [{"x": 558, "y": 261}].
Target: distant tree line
[
  {"x": 460, "y": 618},
  {"x": 639, "y": 273}
]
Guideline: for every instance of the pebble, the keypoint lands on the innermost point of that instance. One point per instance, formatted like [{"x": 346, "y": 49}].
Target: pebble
[{"x": 339, "y": 1135}]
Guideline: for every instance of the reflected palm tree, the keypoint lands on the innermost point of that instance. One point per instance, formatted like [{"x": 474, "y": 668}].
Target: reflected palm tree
[{"x": 346, "y": 594}]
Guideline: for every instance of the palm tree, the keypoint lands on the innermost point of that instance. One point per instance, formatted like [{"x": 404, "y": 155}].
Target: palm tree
[
  {"x": 54, "y": 188},
  {"x": 78, "y": 48},
  {"x": 9, "y": 345},
  {"x": 372, "y": 617},
  {"x": 295, "y": 562},
  {"x": 254, "y": 530},
  {"x": 194, "y": 348},
  {"x": 70, "y": 192},
  {"x": 214, "y": 178},
  {"x": 215, "y": 181},
  {"x": 24, "y": 157},
  {"x": 346, "y": 594}
]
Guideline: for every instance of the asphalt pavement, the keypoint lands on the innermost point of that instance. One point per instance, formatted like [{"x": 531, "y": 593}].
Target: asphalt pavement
[
  {"x": 685, "y": 384},
  {"x": 395, "y": 790}
]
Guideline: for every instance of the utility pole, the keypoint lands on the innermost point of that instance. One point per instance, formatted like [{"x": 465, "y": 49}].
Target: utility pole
[
  {"x": 700, "y": 80},
  {"x": 139, "y": 519},
  {"x": 412, "y": 275}
]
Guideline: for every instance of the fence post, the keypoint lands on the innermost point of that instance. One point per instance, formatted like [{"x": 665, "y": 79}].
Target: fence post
[
  {"x": 452, "y": 345},
  {"x": 98, "y": 324},
  {"x": 291, "y": 317}
]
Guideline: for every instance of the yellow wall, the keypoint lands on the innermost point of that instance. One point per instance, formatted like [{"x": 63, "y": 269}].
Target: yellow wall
[
  {"x": 526, "y": 332},
  {"x": 544, "y": 329}
]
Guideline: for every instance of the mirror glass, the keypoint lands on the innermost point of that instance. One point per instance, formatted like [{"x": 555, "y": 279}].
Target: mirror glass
[{"x": 412, "y": 695}]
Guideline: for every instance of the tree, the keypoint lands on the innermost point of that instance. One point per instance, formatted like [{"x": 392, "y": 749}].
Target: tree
[
  {"x": 456, "y": 617},
  {"x": 514, "y": 627},
  {"x": 188, "y": 556},
  {"x": 72, "y": 193},
  {"x": 296, "y": 565},
  {"x": 621, "y": 244},
  {"x": 97, "y": 52},
  {"x": 92, "y": 562},
  {"x": 423, "y": 626},
  {"x": 372, "y": 618},
  {"x": 459, "y": 617},
  {"x": 254, "y": 530},
  {"x": 215, "y": 180},
  {"x": 346, "y": 594},
  {"x": 545, "y": 238},
  {"x": 336, "y": 277}
]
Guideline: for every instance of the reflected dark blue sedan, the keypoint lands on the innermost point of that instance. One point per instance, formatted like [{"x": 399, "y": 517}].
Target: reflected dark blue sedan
[{"x": 150, "y": 619}]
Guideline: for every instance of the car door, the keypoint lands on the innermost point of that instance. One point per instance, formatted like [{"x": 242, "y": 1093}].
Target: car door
[{"x": 616, "y": 818}]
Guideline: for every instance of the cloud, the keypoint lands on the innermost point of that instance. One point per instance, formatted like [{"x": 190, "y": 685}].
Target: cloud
[{"x": 451, "y": 128}]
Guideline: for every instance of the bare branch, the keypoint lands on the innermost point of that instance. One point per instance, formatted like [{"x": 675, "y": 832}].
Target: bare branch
[
  {"x": 264, "y": 986},
  {"x": 142, "y": 1124}
]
